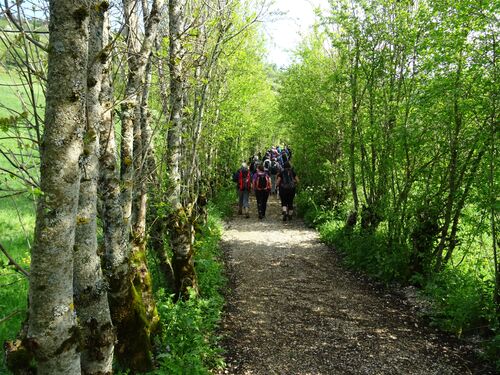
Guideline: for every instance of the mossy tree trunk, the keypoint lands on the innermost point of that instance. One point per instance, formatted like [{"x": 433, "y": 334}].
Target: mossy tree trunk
[
  {"x": 126, "y": 312},
  {"x": 131, "y": 301},
  {"x": 180, "y": 225},
  {"x": 355, "y": 106},
  {"x": 53, "y": 332},
  {"x": 143, "y": 162}
]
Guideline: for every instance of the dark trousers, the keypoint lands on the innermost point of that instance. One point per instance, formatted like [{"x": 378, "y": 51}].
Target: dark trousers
[
  {"x": 286, "y": 196},
  {"x": 261, "y": 196}
]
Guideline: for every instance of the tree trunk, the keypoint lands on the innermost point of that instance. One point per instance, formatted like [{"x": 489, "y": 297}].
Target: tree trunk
[
  {"x": 492, "y": 185},
  {"x": 128, "y": 112},
  {"x": 53, "y": 333},
  {"x": 452, "y": 242},
  {"x": 452, "y": 172},
  {"x": 90, "y": 289},
  {"x": 180, "y": 220},
  {"x": 351, "y": 221},
  {"x": 128, "y": 275},
  {"x": 142, "y": 149},
  {"x": 116, "y": 244}
]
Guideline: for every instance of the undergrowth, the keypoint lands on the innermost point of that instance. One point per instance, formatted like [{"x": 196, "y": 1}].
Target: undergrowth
[
  {"x": 188, "y": 339},
  {"x": 367, "y": 252},
  {"x": 17, "y": 220},
  {"x": 461, "y": 295}
]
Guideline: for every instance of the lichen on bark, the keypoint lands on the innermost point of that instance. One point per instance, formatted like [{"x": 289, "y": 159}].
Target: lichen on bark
[{"x": 52, "y": 327}]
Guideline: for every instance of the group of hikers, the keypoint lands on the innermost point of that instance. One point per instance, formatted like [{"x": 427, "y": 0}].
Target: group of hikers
[{"x": 271, "y": 174}]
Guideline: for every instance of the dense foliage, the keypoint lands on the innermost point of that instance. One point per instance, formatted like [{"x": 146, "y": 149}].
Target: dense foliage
[
  {"x": 393, "y": 112},
  {"x": 391, "y": 109},
  {"x": 175, "y": 97},
  {"x": 188, "y": 341}
]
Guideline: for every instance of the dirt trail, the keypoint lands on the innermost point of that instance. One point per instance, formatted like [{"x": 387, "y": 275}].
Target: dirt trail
[{"x": 293, "y": 310}]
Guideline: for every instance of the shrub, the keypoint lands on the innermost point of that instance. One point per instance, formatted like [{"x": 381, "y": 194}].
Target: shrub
[
  {"x": 312, "y": 207},
  {"x": 188, "y": 341},
  {"x": 367, "y": 252},
  {"x": 462, "y": 301},
  {"x": 222, "y": 205}
]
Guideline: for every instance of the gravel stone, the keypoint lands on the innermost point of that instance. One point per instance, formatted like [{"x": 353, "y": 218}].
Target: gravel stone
[{"x": 293, "y": 309}]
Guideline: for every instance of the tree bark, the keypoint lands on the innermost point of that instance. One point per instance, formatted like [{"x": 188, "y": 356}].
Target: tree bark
[
  {"x": 53, "y": 333},
  {"x": 116, "y": 257},
  {"x": 133, "y": 314},
  {"x": 90, "y": 288},
  {"x": 492, "y": 174},
  {"x": 180, "y": 220},
  {"x": 142, "y": 280},
  {"x": 351, "y": 221},
  {"x": 452, "y": 172}
]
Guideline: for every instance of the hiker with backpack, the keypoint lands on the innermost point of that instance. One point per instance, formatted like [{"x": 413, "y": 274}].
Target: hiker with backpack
[
  {"x": 243, "y": 180},
  {"x": 262, "y": 188},
  {"x": 253, "y": 165},
  {"x": 267, "y": 164},
  {"x": 288, "y": 152},
  {"x": 273, "y": 171},
  {"x": 286, "y": 182}
]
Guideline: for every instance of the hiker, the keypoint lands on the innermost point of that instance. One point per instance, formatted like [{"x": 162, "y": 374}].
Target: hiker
[
  {"x": 253, "y": 165},
  {"x": 262, "y": 188},
  {"x": 288, "y": 152},
  {"x": 284, "y": 158},
  {"x": 243, "y": 181},
  {"x": 286, "y": 182},
  {"x": 273, "y": 171},
  {"x": 267, "y": 165}
]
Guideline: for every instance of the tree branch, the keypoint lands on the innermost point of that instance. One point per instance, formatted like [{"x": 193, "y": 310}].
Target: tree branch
[
  {"x": 14, "y": 263},
  {"x": 11, "y": 315},
  {"x": 9, "y": 14}
]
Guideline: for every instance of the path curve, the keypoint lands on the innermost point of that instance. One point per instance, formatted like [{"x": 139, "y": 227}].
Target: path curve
[{"x": 293, "y": 310}]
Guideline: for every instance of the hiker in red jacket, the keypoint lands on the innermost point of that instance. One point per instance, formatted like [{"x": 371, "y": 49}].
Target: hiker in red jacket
[{"x": 242, "y": 177}]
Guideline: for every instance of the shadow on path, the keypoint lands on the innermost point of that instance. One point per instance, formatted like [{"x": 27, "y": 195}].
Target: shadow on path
[{"x": 293, "y": 310}]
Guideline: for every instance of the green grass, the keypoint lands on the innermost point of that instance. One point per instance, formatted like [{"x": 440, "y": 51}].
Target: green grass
[
  {"x": 9, "y": 98},
  {"x": 17, "y": 213},
  {"x": 189, "y": 342},
  {"x": 17, "y": 136},
  {"x": 17, "y": 219},
  {"x": 461, "y": 295}
]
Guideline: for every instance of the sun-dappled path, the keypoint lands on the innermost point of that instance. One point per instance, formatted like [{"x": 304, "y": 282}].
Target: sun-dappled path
[{"x": 293, "y": 310}]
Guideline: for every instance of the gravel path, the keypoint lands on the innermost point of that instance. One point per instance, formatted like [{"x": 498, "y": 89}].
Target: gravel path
[{"x": 293, "y": 310}]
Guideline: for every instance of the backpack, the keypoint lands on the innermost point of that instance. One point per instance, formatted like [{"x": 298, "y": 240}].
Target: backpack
[
  {"x": 267, "y": 164},
  {"x": 244, "y": 180},
  {"x": 274, "y": 168},
  {"x": 261, "y": 183},
  {"x": 287, "y": 181}
]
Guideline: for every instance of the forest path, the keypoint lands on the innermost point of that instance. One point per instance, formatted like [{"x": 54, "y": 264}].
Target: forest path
[{"x": 293, "y": 310}]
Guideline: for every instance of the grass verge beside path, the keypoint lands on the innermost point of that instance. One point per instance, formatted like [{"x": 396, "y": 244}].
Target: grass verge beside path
[
  {"x": 189, "y": 340},
  {"x": 17, "y": 220},
  {"x": 460, "y": 296},
  {"x": 17, "y": 212}
]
